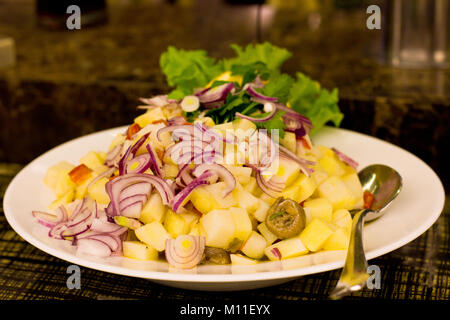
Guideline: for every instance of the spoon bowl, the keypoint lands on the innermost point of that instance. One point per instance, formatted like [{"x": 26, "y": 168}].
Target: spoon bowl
[{"x": 384, "y": 184}]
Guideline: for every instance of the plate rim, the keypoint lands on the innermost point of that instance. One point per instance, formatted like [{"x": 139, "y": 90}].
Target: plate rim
[{"x": 211, "y": 278}]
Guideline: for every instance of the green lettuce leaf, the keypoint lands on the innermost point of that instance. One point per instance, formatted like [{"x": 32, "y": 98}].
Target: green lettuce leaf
[
  {"x": 272, "y": 56},
  {"x": 318, "y": 104},
  {"x": 279, "y": 87},
  {"x": 188, "y": 69}
]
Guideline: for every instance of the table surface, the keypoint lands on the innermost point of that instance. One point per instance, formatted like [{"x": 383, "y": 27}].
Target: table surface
[{"x": 417, "y": 271}]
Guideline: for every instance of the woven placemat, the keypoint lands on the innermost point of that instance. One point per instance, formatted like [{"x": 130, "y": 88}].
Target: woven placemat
[{"x": 417, "y": 271}]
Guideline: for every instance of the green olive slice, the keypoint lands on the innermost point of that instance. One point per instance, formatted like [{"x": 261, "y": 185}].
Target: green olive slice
[{"x": 285, "y": 218}]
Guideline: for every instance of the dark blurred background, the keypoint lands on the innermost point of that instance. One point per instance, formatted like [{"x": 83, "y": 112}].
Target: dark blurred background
[{"x": 57, "y": 84}]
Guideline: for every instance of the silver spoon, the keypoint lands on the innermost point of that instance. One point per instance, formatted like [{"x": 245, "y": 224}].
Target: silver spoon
[{"x": 385, "y": 184}]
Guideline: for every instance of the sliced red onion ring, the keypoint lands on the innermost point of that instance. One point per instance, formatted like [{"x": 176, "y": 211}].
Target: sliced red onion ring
[
  {"x": 131, "y": 151},
  {"x": 185, "y": 252},
  {"x": 93, "y": 247},
  {"x": 112, "y": 157},
  {"x": 220, "y": 171},
  {"x": 154, "y": 161},
  {"x": 266, "y": 189},
  {"x": 201, "y": 131},
  {"x": 218, "y": 93},
  {"x": 180, "y": 199},
  {"x": 115, "y": 187},
  {"x": 183, "y": 128},
  {"x": 253, "y": 119},
  {"x": 176, "y": 121},
  {"x": 344, "y": 158},
  {"x": 49, "y": 219},
  {"x": 101, "y": 226},
  {"x": 260, "y": 96},
  {"x": 156, "y": 101},
  {"x": 141, "y": 163}
]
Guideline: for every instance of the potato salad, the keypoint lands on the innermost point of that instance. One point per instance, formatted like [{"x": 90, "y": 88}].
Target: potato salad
[{"x": 222, "y": 170}]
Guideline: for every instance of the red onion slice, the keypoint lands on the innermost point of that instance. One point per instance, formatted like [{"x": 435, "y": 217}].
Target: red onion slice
[
  {"x": 112, "y": 157},
  {"x": 141, "y": 163},
  {"x": 154, "y": 161},
  {"x": 115, "y": 187},
  {"x": 185, "y": 251},
  {"x": 180, "y": 199},
  {"x": 256, "y": 94},
  {"x": 253, "y": 119},
  {"x": 302, "y": 162},
  {"x": 344, "y": 158},
  {"x": 156, "y": 101},
  {"x": 218, "y": 93},
  {"x": 93, "y": 247},
  {"x": 131, "y": 151},
  {"x": 187, "y": 128}
]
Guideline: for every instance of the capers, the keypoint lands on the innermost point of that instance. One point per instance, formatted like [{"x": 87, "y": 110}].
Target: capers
[
  {"x": 285, "y": 218},
  {"x": 213, "y": 255}
]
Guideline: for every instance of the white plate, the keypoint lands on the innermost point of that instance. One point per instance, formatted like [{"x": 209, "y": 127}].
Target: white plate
[{"x": 416, "y": 208}]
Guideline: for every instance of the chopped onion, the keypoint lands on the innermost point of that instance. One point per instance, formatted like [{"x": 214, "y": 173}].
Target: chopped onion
[
  {"x": 258, "y": 95},
  {"x": 138, "y": 164},
  {"x": 115, "y": 188},
  {"x": 112, "y": 157},
  {"x": 190, "y": 103},
  {"x": 50, "y": 220},
  {"x": 131, "y": 151},
  {"x": 156, "y": 101},
  {"x": 154, "y": 161},
  {"x": 343, "y": 157},
  {"x": 264, "y": 187},
  {"x": 215, "y": 94},
  {"x": 181, "y": 198},
  {"x": 185, "y": 252},
  {"x": 175, "y": 121},
  {"x": 184, "y": 128},
  {"x": 253, "y": 119},
  {"x": 104, "y": 174},
  {"x": 93, "y": 247}
]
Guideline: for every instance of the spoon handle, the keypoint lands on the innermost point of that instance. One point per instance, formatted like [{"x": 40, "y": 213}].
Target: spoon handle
[{"x": 354, "y": 275}]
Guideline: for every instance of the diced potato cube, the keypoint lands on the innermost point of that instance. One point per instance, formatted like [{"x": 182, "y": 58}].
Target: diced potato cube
[
  {"x": 242, "y": 224},
  {"x": 331, "y": 163},
  {"x": 342, "y": 219},
  {"x": 320, "y": 208},
  {"x": 98, "y": 192},
  {"x": 139, "y": 251},
  {"x": 319, "y": 175},
  {"x": 242, "y": 174},
  {"x": 337, "y": 192},
  {"x": 153, "y": 234},
  {"x": 154, "y": 209},
  {"x": 63, "y": 200},
  {"x": 239, "y": 259},
  {"x": 191, "y": 218},
  {"x": 243, "y": 124},
  {"x": 252, "y": 186},
  {"x": 266, "y": 233},
  {"x": 219, "y": 227},
  {"x": 353, "y": 184},
  {"x": 92, "y": 159},
  {"x": 64, "y": 185},
  {"x": 338, "y": 240},
  {"x": 197, "y": 230},
  {"x": 150, "y": 116},
  {"x": 285, "y": 249},
  {"x": 175, "y": 224},
  {"x": 315, "y": 234},
  {"x": 245, "y": 199},
  {"x": 301, "y": 189},
  {"x": 120, "y": 138},
  {"x": 169, "y": 171},
  {"x": 254, "y": 246},
  {"x": 288, "y": 171},
  {"x": 289, "y": 141},
  {"x": 210, "y": 197},
  {"x": 261, "y": 213},
  {"x": 55, "y": 172}
]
